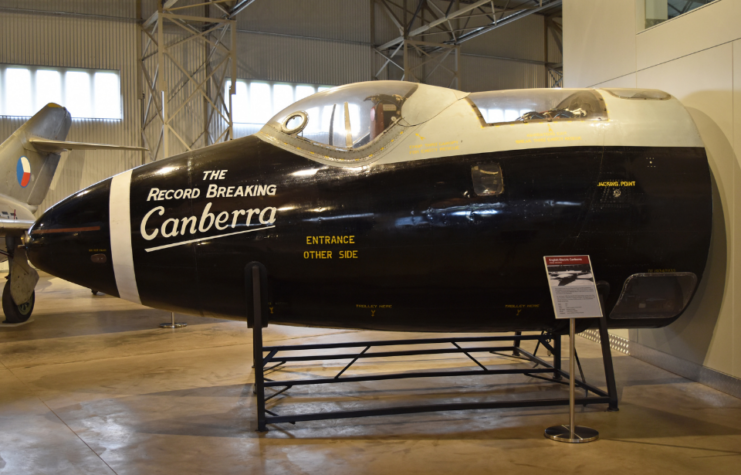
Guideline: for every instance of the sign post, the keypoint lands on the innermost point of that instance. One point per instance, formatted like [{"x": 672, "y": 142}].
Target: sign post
[
  {"x": 574, "y": 295},
  {"x": 172, "y": 323}
]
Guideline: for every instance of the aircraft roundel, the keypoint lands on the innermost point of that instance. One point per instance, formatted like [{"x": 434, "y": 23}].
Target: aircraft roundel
[{"x": 23, "y": 171}]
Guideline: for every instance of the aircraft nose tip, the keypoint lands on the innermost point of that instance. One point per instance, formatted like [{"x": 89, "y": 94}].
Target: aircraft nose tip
[{"x": 71, "y": 240}]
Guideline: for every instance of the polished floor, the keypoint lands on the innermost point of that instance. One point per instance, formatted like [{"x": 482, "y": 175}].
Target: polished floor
[{"x": 93, "y": 386}]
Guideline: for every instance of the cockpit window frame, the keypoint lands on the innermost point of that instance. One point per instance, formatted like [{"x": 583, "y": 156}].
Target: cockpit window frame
[
  {"x": 276, "y": 127},
  {"x": 422, "y": 103},
  {"x": 380, "y": 144}
]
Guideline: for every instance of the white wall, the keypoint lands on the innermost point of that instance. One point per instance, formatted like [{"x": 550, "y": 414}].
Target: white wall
[{"x": 697, "y": 58}]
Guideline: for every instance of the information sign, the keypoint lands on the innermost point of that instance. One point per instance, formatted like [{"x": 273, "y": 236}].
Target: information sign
[{"x": 573, "y": 290}]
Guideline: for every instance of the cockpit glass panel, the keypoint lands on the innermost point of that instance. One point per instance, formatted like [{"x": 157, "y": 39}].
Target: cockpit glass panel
[
  {"x": 348, "y": 117},
  {"x": 527, "y": 105}
]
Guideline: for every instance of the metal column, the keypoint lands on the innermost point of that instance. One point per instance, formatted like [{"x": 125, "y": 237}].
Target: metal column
[
  {"x": 430, "y": 36},
  {"x": 184, "y": 84}
]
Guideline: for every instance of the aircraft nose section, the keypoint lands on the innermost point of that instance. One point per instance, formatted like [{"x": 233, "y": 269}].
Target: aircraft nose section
[{"x": 72, "y": 240}]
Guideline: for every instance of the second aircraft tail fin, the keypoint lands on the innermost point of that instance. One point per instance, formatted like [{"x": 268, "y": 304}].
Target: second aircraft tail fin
[{"x": 29, "y": 158}]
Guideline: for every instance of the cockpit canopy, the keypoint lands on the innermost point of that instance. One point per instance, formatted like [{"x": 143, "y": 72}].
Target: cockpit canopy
[
  {"x": 353, "y": 116},
  {"x": 356, "y": 122},
  {"x": 531, "y": 105}
]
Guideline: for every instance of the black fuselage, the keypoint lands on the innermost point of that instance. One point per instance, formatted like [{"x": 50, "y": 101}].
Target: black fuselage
[{"x": 401, "y": 246}]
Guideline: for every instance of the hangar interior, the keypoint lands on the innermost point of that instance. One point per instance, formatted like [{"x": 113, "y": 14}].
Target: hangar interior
[{"x": 92, "y": 385}]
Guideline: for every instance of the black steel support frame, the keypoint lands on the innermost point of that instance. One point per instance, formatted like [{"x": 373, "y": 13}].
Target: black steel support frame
[{"x": 541, "y": 368}]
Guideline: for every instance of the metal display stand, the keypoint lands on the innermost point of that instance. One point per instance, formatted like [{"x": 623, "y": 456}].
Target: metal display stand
[
  {"x": 572, "y": 433},
  {"x": 256, "y": 286}
]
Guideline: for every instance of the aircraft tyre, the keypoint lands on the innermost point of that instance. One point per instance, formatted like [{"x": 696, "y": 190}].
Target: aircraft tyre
[{"x": 16, "y": 313}]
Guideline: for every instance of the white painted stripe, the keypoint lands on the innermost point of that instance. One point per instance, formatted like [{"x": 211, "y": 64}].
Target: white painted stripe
[
  {"x": 119, "y": 208},
  {"x": 152, "y": 249}
]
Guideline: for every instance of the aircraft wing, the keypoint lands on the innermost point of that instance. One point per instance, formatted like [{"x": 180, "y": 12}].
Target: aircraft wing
[
  {"x": 14, "y": 226},
  {"x": 58, "y": 146}
]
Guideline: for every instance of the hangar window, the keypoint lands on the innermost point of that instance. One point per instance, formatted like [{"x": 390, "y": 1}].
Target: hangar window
[
  {"x": 659, "y": 11},
  {"x": 86, "y": 93},
  {"x": 527, "y": 105},
  {"x": 255, "y": 102}
]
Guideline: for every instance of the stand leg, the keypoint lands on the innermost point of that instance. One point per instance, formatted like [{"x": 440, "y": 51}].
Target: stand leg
[
  {"x": 515, "y": 352},
  {"x": 604, "y": 338},
  {"x": 557, "y": 355},
  {"x": 257, "y": 350}
]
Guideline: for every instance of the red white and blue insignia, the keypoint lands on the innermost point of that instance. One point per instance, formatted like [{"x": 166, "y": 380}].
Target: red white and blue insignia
[{"x": 23, "y": 171}]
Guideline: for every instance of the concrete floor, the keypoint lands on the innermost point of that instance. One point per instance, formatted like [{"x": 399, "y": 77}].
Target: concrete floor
[{"x": 93, "y": 386}]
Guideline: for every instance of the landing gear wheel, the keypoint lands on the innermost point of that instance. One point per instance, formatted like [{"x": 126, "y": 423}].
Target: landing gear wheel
[
  {"x": 16, "y": 313},
  {"x": 95, "y": 292}
]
